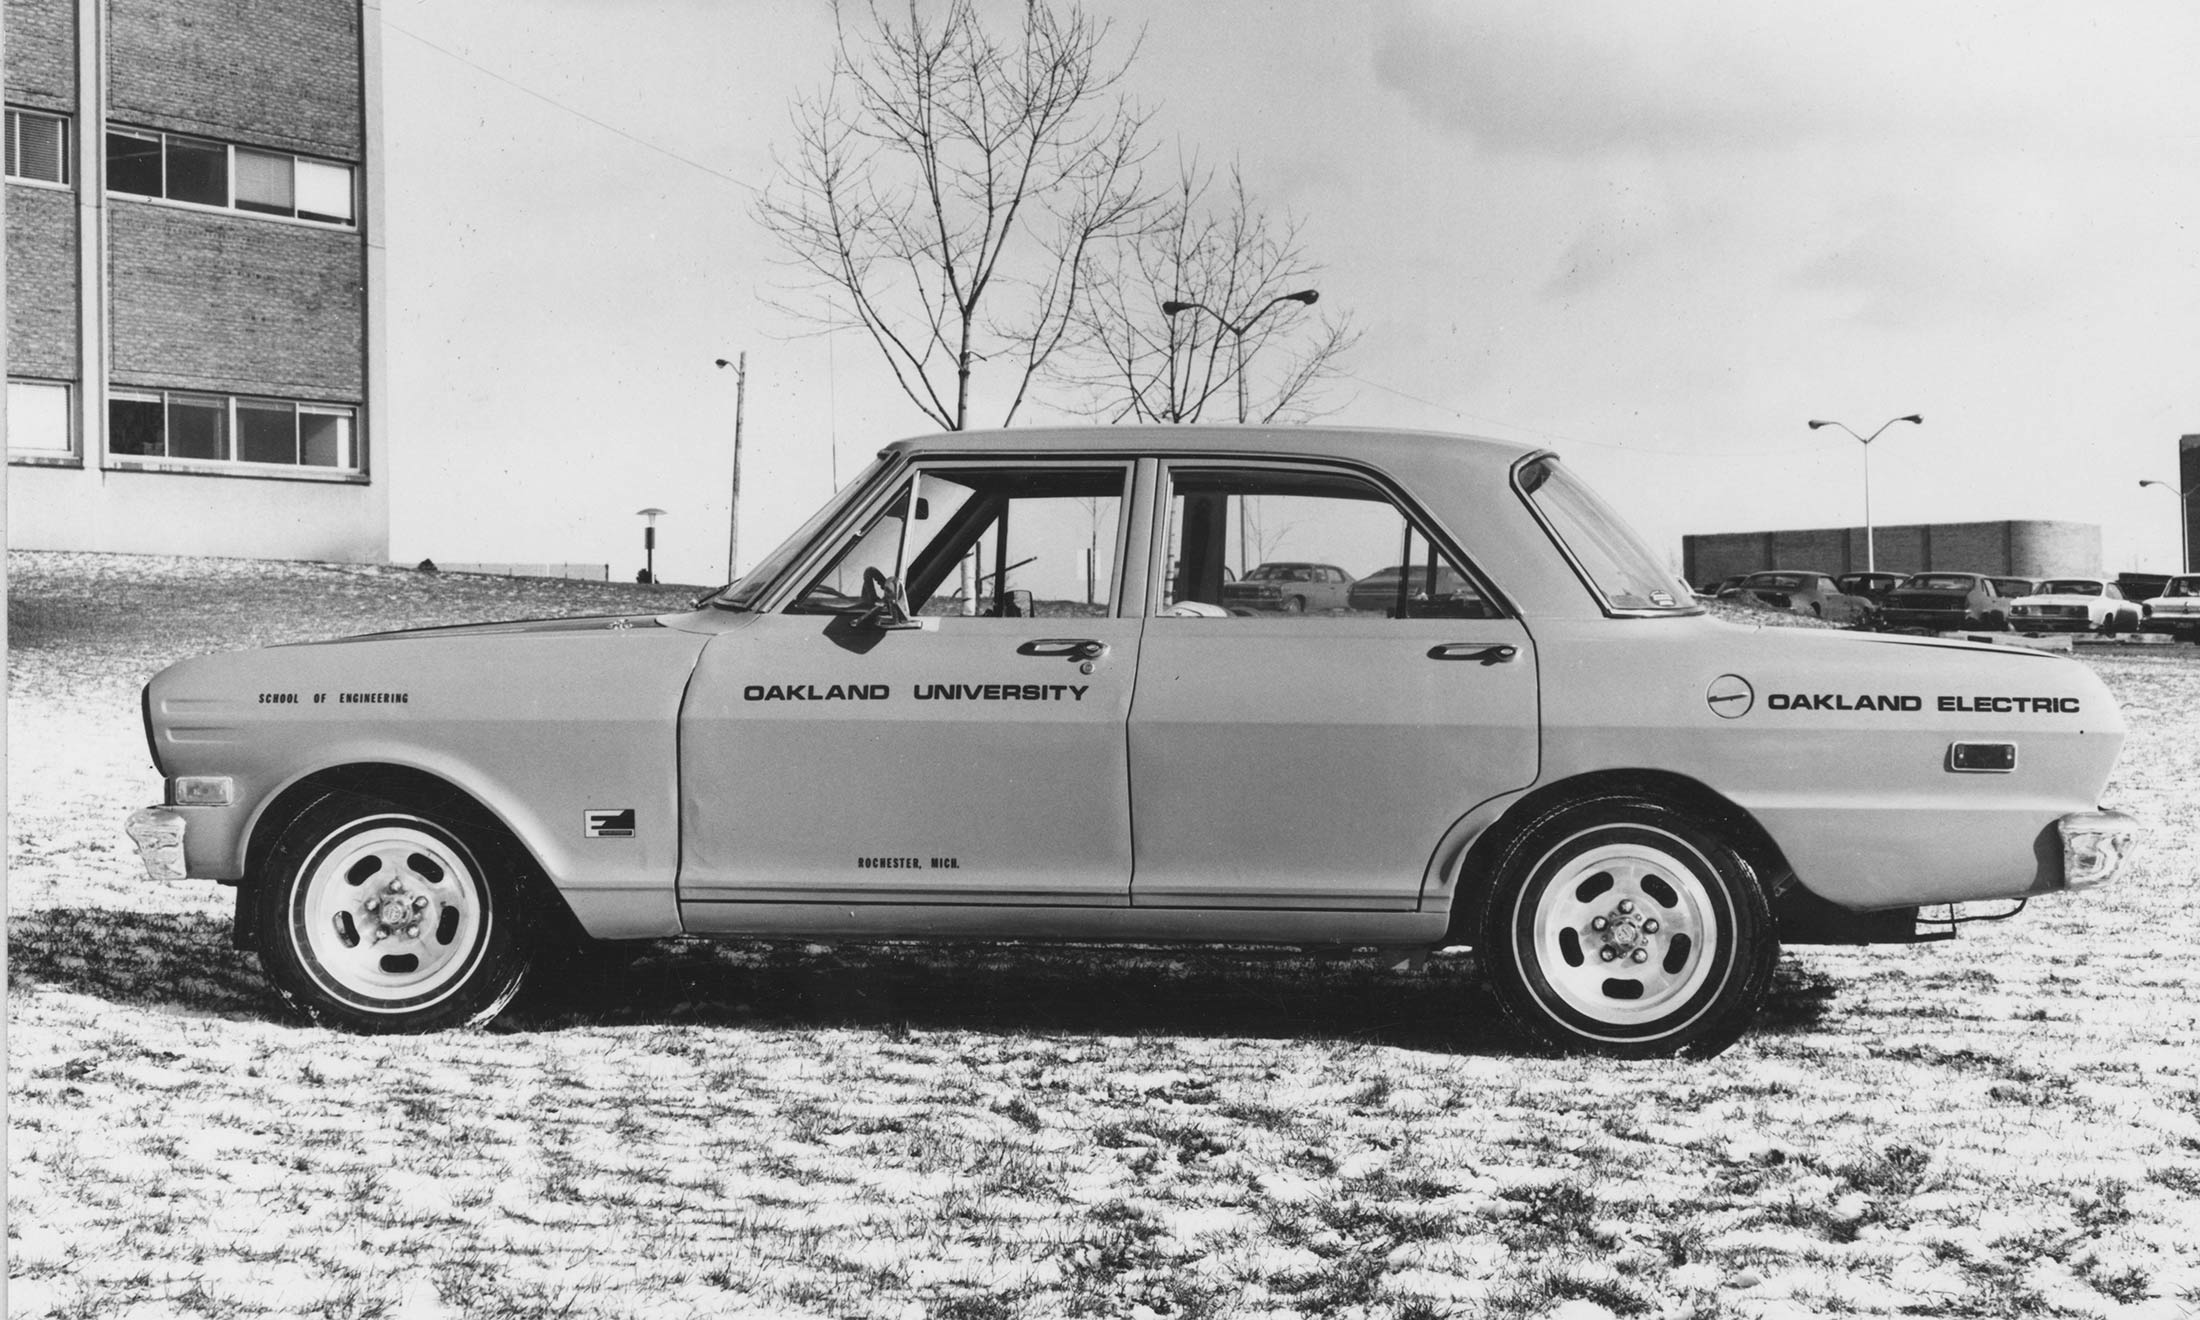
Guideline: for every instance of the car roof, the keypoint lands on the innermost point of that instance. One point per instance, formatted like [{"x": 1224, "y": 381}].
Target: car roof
[{"x": 1371, "y": 444}]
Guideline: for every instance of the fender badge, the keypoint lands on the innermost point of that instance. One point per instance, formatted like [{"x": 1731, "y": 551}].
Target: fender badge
[
  {"x": 1730, "y": 696},
  {"x": 608, "y": 823}
]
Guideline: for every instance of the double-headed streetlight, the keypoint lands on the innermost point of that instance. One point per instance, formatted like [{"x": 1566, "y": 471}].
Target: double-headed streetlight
[
  {"x": 1305, "y": 297},
  {"x": 2184, "y": 521},
  {"x": 1871, "y": 560},
  {"x": 1237, "y": 329}
]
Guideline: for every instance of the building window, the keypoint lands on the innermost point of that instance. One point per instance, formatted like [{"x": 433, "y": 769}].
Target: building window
[
  {"x": 144, "y": 163},
  {"x": 213, "y": 429},
  {"x": 39, "y": 428},
  {"x": 38, "y": 147}
]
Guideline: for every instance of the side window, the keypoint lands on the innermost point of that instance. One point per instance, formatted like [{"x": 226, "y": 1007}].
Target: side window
[
  {"x": 989, "y": 542},
  {"x": 1296, "y": 544}
]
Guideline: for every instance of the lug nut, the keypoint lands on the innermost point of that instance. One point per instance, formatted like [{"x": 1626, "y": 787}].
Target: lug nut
[
  {"x": 1598, "y": 923},
  {"x": 1642, "y": 955},
  {"x": 381, "y": 935},
  {"x": 1607, "y": 953},
  {"x": 1626, "y": 905},
  {"x": 373, "y": 905},
  {"x": 420, "y": 901},
  {"x": 1650, "y": 926},
  {"x": 413, "y": 932}
]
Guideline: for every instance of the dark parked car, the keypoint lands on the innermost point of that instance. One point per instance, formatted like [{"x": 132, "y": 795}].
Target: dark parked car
[
  {"x": 1417, "y": 591},
  {"x": 1872, "y": 586},
  {"x": 1937, "y": 602},
  {"x": 2015, "y": 588},
  {"x": 1291, "y": 588},
  {"x": 1801, "y": 592}
]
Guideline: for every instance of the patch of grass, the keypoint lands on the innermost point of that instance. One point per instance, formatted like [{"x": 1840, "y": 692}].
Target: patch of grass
[{"x": 1895, "y": 1170}]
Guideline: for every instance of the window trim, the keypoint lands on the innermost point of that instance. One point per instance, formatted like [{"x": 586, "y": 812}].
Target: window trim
[
  {"x": 73, "y": 456},
  {"x": 1409, "y": 508},
  {"x": 356, "y": 473},
  {"x": 1685, "y": 605},
  {"x": 66, "y": 183},
  {"x": 229, "y": 163}
]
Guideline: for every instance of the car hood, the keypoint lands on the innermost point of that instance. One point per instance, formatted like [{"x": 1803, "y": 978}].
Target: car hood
[{"x": 593, "y": 623}]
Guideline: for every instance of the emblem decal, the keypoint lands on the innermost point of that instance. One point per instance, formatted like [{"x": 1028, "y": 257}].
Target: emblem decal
[
  {"x": 1730, "y": 696},
  {"x": 608, "y": 823}
]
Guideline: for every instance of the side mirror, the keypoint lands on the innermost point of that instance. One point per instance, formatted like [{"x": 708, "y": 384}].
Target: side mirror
[
  {"x": 885, "y": 604},
  {"x": 1016, "y": 605}
]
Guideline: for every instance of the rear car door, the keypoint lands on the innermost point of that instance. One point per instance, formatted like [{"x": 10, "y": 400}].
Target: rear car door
[
  {"x": 1315, "y": 760},
  {"x": 968, "y": 750}
]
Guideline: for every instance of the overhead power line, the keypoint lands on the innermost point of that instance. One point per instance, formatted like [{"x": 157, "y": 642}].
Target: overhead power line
[{"x": 608, "y": 127}]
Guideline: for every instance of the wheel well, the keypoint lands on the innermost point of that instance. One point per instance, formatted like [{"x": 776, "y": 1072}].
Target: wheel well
[
  {"x": 1697, "y": 799},
  {"x": 402, "y": 786}
]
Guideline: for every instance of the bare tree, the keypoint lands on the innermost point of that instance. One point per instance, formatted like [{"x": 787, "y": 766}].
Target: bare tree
[
  {"x": 952, "y": 186},
  {"x": 1210, "y": 245}
]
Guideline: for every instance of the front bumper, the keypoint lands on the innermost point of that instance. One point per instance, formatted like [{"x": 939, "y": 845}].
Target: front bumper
[
  {"x": 158, "y": 834},
  {"x": 2095, "y": 846}
]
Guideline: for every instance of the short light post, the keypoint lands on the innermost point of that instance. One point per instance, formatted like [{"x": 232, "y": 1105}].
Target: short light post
[
  {"x": 649, "y": 542},
  {"x": 1304, "y": 297},
  {"x": 2184, "y": 520},
  {"x": 1871, "y": 558}
]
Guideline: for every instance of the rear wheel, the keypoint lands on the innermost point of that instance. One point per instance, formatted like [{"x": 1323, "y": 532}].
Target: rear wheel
[
  {"x": 1618, "y": 926},
  {"x": 1295, "y": 605},
  {"x": 377, "y": 919}
]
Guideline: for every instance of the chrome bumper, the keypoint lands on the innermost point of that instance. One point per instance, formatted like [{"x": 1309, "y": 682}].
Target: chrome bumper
[
  {"x": 158, "y": 834},
  {"x": 2095, "y": 845}
]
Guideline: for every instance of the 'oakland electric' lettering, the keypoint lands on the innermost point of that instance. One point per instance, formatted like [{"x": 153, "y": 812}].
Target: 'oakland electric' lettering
[{"x": 2009, "y": 705}]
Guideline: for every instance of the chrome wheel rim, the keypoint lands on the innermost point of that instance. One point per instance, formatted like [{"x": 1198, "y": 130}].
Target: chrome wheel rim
[
  {"x": 1626, "y": 933},
  {"x": 391, "y": 917}
]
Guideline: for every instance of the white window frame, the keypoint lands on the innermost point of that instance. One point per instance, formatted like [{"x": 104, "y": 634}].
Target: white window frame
[
  {"x": 72, "y": 454},
  {"x": 352, "y": 470},
  {"x": 14, "y": 129},
  {"x": 229, "y": 205}
]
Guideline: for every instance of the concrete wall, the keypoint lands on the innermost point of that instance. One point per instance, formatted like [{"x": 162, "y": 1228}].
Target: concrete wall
[
  {"x": 2019, "y": 548},
  {"x": 148, "y": 513}
]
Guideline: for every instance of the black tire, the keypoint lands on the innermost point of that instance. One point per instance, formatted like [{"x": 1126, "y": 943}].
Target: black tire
[
  {"x": 1631, "y": 887},
  {"x": 457, "y": 955},
  {"x": 1295, "y": 605}
]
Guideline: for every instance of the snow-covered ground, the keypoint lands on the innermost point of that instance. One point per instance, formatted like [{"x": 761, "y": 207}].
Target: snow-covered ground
[{"x": 2006, "y": 1125}]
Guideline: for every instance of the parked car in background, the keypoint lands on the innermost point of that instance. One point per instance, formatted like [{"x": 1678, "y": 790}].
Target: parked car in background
[
  {"x": 1801, "y": 592},
  {"x": 2076, "y": 605},
  {"x": 1711, "y": 590},
  {"x": 2014, "y": 588},
  {"x": 2177, "y": 610},
  {"x": 1944, "y": 602},
  {"x": 1871, "y": 586},
  {"x": 1539, "y": 746},
  {"x": 1417, "y": 590},
  {"x": 1289, "y": 588}
]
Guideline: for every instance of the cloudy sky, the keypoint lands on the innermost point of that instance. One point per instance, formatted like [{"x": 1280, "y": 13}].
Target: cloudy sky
[{"x": 1658, "y": 237}]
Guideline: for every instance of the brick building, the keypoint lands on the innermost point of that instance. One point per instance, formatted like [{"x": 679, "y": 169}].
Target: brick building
[
  {"x": 194, "y": 278},
  {"x": 2017, "y": 548}
]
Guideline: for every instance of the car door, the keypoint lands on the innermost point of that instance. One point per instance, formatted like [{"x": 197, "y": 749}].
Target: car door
[
  {"x": 1315, "y": 760},
  {"x": 936, "y": 716}
]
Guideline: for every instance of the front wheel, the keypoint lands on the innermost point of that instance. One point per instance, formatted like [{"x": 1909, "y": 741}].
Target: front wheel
[
  {"x": 1618, "y": 926},
  {"x": 376, "y": 919}
]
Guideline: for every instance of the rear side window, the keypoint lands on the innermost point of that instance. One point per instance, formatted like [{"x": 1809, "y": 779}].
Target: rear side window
[{"x": 1604, "y": 549}]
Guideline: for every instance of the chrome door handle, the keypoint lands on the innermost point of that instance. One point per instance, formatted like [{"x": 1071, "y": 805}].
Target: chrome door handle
[
  {"x": 1066, "y": 648},
  {"x": 1488, "y": 653}
]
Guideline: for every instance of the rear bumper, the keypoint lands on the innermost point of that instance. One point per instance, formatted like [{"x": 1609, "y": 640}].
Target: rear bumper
[{"x": 2096, "y": 845}]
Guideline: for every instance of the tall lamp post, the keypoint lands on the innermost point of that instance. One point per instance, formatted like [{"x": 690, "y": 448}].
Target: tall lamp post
[
  {"x": 2184, "y": 521},
  {"x": 1305, "y": 297},
  {"x": 740, "y": 366},
  {"x": 649, "y": 542},
  {"x": 1871, "y": 559}
]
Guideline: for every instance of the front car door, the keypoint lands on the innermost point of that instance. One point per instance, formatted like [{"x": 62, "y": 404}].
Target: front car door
[
  {"x": 936, "y": 715},
  {"x": 1315, "y": 760}
]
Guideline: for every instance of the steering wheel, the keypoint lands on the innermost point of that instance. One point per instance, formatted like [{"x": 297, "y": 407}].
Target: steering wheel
[{"x": 877, "y": 587}]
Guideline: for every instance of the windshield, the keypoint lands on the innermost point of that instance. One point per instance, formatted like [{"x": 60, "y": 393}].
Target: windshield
[
  {"x": 2184, "y": 586},
  {"x": 744, "y": 593},
  {"x": 1776, "y": 581},
  {"x": 1616, "y": 562},
  {"x": 2069, "y": 587}
]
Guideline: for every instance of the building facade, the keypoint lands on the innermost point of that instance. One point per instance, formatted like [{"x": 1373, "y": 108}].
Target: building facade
[
  {"x": 194, "y": 271},
  {"x": 2017, "y": 548},
  {"x": 2188, "y": 479}
]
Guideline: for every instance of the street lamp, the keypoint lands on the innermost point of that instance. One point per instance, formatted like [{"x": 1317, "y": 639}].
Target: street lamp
[
  {"x": 1871, "y": 560},
  {"x": 2184, "y": 521},
  {"x": 649, "y": 542},
  {"x": 1237, "y": 331},
  {"x": 1306, "y": 297}
]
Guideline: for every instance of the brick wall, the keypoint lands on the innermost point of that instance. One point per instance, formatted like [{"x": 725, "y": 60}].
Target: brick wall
[
  {"x": 42, "y": 284},
  {"x": 42, "y": 54},
  {"x": 2027, "y": 548},
  {"x": 203, "y": 301},
  {"x": 273, "y": 75}
]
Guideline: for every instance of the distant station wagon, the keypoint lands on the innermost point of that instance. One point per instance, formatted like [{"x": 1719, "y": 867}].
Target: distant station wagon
[{"x": 994, "y": 689}]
